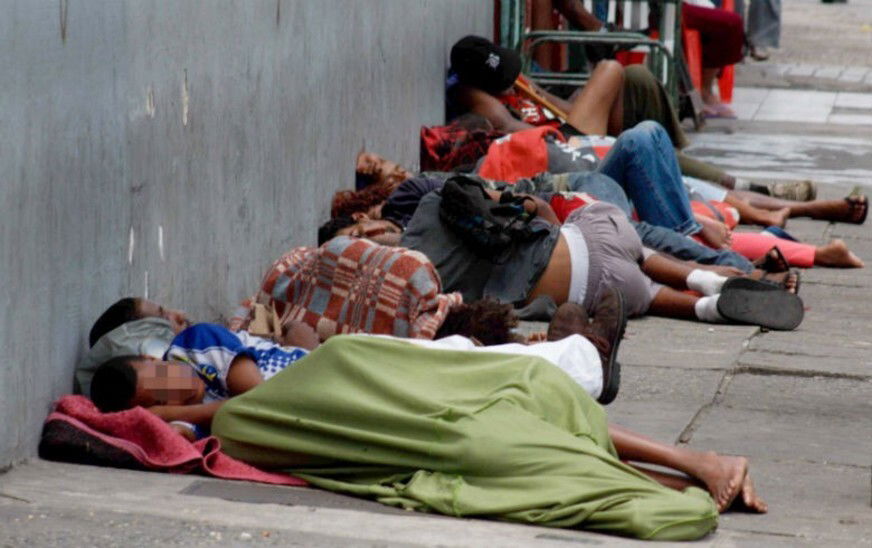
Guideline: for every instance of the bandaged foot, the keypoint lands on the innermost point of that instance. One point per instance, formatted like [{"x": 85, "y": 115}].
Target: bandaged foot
[
  {"x": 706, "y": 309},
  {"x": 705, "y": 281}
]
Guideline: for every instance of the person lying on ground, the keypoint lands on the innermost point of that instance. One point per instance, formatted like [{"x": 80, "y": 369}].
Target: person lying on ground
[
  {"x": 131, "y": 325},
  {"x": 204, "y": 365},
  {"x": 641, "y": 161},
  {"x": 476, "y": 86},
  {"x": 595, "y": 248},
  {"x": 134, "y": 325},
  {"x": 474, "y": 434},
  {"x": 352, "y": 285}
]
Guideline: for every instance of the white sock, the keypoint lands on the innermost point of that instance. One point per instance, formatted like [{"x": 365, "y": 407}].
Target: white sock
[
  {"x": 705, "y": 281},
  {"x": 706, "y": 309}
]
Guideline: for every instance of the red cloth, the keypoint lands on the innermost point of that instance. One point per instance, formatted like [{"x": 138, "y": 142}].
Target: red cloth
[
  {"x": 721, "y": 32},
  {"x": 564, "y": 203},
  {"x": 444, "y": 148},
  {"x": 155, "y": 445},
  {"x": 526, "y": 110},
  {"x": 754, "y": 246},
  {"x": 517, "y": 155}
]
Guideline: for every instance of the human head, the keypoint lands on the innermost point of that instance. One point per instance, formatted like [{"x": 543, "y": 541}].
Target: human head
[
  {"x": 487, "y": 320},
  {"x": 124, "y": 382},
  {"x": 129, "y": 309},
  {"x": 480, "y": 63},
  {"x": 360, "y": 226},
  {"x": 372, "y": 169},
  {"x": 369, "y": 200}
]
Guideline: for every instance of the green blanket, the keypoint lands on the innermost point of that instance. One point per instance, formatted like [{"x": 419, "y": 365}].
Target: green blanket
[{"x": 460, "y": 433}]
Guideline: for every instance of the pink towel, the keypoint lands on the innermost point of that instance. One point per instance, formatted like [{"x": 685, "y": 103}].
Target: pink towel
[{"x": 151, "y": 442}]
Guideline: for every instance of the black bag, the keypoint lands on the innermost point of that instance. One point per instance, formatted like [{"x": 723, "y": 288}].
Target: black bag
[{"x": 487, "y": 227}]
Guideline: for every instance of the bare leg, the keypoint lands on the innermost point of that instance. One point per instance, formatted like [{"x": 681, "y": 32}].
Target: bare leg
[
  {"x": 708, "y": 82},
  {"x": 715, "y": 233},
  {"x": 757, "y": 216},
  {"x": 826, "y": 210},
  {"x": 673, "y": 304},
  {"x": 725, "y": 477},
  {"x": 667, "y": 271},
  {"x": 600, "y": 104},
  {"x": 673, "y": 481}
]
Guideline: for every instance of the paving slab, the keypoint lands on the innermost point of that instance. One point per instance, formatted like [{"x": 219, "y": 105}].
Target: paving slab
[
  {"x": 809, "y": 503},
  {"x": 820, "y": 420},
  {"x": 676, "y": 394}
]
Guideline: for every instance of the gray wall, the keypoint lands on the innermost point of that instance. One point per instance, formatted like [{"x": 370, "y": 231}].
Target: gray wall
[{"x": 220, "y": 128}]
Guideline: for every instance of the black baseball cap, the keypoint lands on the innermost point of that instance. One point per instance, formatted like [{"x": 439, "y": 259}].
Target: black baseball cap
[{"x": 480, "y": 63}]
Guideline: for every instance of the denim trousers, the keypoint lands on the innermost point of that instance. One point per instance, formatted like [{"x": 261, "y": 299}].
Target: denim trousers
[
  {"x": 655, "y": 237},
  {"x": 643, "y": 162}
]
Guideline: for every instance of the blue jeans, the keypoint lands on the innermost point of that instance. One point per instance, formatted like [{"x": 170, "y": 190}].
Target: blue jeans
[
  {"x": 643, "y": 162},
  {"x": 655, "y": 237}
]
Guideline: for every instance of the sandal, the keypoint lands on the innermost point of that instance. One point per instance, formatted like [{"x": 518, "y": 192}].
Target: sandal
[
  {"x": 858, "y": 207},
  {"x": 747, "y": 301},
  {"x": 773, "y": 261},
  {"x": 784, "y": 280}
]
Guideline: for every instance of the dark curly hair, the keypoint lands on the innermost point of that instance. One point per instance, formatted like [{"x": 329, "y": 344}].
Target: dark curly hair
[
  {"x": 347, "y": 202},
  {"x": 328, "y": 230},
  {"x": 487, "y": 320}
]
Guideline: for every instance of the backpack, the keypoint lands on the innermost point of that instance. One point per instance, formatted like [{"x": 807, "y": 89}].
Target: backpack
[{"x": 490, "y": 229}]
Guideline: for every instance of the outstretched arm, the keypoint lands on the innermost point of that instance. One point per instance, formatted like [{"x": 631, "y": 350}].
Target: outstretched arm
[
  {"x": 484, "y": 104},
  {"x": 200, "y": 414},
  {"x": 575, "y": 12}
]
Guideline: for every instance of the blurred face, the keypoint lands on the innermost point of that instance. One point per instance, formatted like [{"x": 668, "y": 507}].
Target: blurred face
[
  {"x": 373, "y": 164},
  {"x": 371, "y": 229},
  {"x": 166, "y": 383},
  {"x": 150, "y": 309}
]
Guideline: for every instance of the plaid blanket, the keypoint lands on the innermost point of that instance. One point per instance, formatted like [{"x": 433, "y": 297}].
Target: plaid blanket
[{"x": 352, "y": 285}]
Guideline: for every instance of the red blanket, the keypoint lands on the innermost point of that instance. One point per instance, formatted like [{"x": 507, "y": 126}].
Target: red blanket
[{"x": 139, "y": 437}]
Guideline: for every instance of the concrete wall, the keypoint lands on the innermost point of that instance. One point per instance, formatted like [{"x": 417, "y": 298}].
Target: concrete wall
[{"x": 175, "y": 148}]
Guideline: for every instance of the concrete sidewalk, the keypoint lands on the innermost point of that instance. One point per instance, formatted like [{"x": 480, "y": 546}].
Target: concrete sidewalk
[{"x": 799, "y": 404}]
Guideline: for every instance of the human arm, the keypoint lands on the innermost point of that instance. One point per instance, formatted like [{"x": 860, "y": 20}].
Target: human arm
[
  {"x": 200, "y": 414},
  {"x": 484, "y": 104},
  {"x": 243, "y": 375},
  {"x": 299, "y": 334},
  {"x": 534, "y": 205},
  {"x": 575, "y": 12}
]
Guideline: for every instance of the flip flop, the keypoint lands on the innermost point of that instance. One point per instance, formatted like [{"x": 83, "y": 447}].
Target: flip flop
[
  {"x": 773, "y": 261},
  {"x": 782, "y": 284},
  {"x": 747, "y": 301},
  {"x": 858, "y": 207}
]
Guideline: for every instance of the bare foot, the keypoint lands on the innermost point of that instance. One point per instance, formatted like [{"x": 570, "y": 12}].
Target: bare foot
[
  {"x": 714, "y": 233},
  {"x": 296, "y": 333},
  {"x": 774, "y": 218},
  {"x": 749, "y": 498},
  {"x": 836, "y": 254},
  {"x": 723, "y": 476}
]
